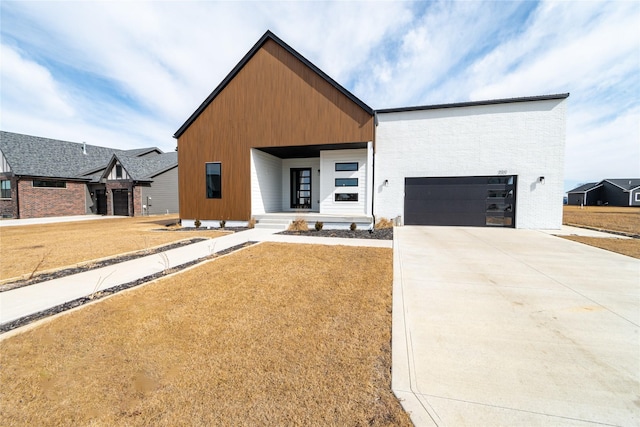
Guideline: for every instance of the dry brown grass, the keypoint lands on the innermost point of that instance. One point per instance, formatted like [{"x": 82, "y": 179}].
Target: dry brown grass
[
  {"x": 608, "y": 218},
  {"x": 611, "y": 218},
  {"x": 383, "y": 223},
  {"x": 273, "y": 335},
  {"x": 629, "y": 247},
  {"x": 298, "y": 224},
  {"x": 26, "y": 249}
]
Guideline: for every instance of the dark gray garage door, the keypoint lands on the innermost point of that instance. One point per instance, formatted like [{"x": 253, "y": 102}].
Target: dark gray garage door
[
  {"x": 120, "y": 202},
  {"x": 467, "y": 201}
]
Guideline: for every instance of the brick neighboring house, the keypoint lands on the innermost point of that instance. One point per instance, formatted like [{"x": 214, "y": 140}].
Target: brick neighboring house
[{"x": 41, "y": 177}]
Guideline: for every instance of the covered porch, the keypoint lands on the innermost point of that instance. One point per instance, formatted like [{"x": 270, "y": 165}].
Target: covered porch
[{"x": 330, "y": 183}]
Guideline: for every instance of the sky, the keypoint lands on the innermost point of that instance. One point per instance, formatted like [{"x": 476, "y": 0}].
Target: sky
[{"x": 128, "y": 74}]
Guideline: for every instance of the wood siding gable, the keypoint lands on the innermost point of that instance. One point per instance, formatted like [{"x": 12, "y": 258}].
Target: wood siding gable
[{"x": 273, "y": 98}]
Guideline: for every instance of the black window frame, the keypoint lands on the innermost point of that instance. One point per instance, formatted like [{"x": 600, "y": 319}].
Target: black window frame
[
  {"x": 5, "y": 191},
  {"x": 339, "y": 197},
  {"x": 347, "y": 166},
  {"x": 48, "y": 183},
  {"x": 213, "y": 194},
  {"x": 118, "y": 171},
  {"x": 346, "y": 182}
]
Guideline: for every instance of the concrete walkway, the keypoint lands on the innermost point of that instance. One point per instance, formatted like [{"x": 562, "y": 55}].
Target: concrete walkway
[
  {"x": 514, "y": 327},
  {"x": 27, "y": 300},
  {"x": 55, "y": 219}
]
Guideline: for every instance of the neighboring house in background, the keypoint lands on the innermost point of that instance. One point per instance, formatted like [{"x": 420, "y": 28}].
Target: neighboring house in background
[
  {"x": 41, "y": 177},
  {"x": 612, "y": 192},
  {"x": 279, "y": 138}
]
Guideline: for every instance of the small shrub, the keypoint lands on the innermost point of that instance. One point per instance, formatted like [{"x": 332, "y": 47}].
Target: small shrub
[
  {"x": 222, "y": 223},
  {"x": 197, "y": 223},
  {"x": 319, "y": 225},
  {"x": 252, "y": 223},
  {"x": 298, "y": 224},
  {"x": 383, "y": 223},
  {"x": 353, "y": 226}
]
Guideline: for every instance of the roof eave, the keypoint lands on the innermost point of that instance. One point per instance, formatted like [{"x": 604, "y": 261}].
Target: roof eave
[
  {"x": 267, "y": 36},
  {"x": 476, "y": 103},
  {"x": 161, "y": 171},
  {"x": 57, "y": 178},
  {"x": 626, "y": 190}
]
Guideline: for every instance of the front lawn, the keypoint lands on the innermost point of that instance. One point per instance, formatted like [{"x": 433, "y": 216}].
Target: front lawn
[
  {"x": 272, "y": 335},
  {"x": 33, "y": 248},
  {"x": 606, "y": 218}
]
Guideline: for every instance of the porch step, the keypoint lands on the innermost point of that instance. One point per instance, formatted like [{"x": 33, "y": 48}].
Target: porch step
[{"x": 277, "y": 223}]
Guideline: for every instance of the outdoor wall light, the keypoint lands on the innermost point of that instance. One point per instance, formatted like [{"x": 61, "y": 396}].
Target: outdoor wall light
[
  {"x": 386, "y": 182},
  {"x": 541, "y": 180}
]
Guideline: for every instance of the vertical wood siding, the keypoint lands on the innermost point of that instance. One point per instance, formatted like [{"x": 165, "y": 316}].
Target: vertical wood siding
[{"x": 275, "y": 100}]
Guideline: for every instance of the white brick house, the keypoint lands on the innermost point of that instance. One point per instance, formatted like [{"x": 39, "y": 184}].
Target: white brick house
[
  {"x": 308, "y": 147},
  {"x": 523, "y": 138}
]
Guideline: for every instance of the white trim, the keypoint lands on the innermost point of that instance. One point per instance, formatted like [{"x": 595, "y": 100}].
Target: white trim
[
  {"x": 4, "y": 165},
  {"x": 111, "y": 176},
  {"x": 368, "y": 195}
]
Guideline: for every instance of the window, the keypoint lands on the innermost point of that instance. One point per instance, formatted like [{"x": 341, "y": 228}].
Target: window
[
  {"x": 49, "y": 184},
  {"x": 214, "y": 180},
  {"x": 492, "y": 194},
  {"x": 346, "y": 197},
  {"x": 352, "y": 166},
  {"x": 346, "y": 182},
  {"x": 5, "y": 189},
  {"x": 638, "y": 196},
  {"x": 118, "y": 171},
  {"x": 500, "y": 180}
]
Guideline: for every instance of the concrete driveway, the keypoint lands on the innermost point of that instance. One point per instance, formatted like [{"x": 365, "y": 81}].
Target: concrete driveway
[{"x": 514, "y": 327}]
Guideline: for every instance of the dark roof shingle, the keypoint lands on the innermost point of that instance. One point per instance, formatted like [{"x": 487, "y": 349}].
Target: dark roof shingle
[{"x": 52, "y": 158}]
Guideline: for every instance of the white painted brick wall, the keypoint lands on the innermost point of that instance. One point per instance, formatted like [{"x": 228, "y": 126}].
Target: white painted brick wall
[
  {"x": 266, "y": 182},
  {"x": 526, "y": 139},
  {"x": 328, "y": 159}
]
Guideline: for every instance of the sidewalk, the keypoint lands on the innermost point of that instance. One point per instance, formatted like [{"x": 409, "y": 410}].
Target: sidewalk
[
  {"x": 32, "y": 299},
  {"x": 54, "y": 219}
]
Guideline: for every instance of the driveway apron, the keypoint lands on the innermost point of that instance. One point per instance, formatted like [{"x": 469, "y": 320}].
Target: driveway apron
[{"x": 514, "y": 327}]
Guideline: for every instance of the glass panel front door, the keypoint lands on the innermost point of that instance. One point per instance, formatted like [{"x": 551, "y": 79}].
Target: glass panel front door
[{"x": 301, "y": 188}]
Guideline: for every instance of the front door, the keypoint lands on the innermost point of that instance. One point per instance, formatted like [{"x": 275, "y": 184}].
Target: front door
[
  {"x": 301, "y": 188},
  {"x": 101, "y": 202}
]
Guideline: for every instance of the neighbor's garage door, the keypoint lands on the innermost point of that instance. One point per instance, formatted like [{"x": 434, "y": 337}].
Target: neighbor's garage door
[
  {"x": 120, "y": 202},
  {"x": 468, "y": 201}
]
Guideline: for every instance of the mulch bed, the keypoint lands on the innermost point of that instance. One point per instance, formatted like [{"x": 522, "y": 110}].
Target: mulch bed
[
  {"x": 5, "y": 327},
  {"x": 381, "y": 234},
  {"x": 234, "y": 229}
]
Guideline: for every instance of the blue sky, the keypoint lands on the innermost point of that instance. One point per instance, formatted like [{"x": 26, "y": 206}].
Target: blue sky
[{"x": 128, "y": 74}]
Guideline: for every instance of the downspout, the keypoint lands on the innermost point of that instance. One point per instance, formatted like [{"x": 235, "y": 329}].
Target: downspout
[
  {"x": 373, "y": 169},
  {"x": 17, "y": 197},
  {"x": 133, "y": 198}
]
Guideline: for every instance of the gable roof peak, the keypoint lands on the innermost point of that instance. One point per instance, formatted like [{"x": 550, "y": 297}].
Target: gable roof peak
[{"x": 268, "y": 35}]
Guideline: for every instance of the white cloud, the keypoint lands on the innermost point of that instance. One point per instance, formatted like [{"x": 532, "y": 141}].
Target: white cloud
[
  {"x": 597, "y": 150},
  {"x": 29, "y": 87},
  {"x": 130, "y": 73},
  {"x": 570, "y": 59}
]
